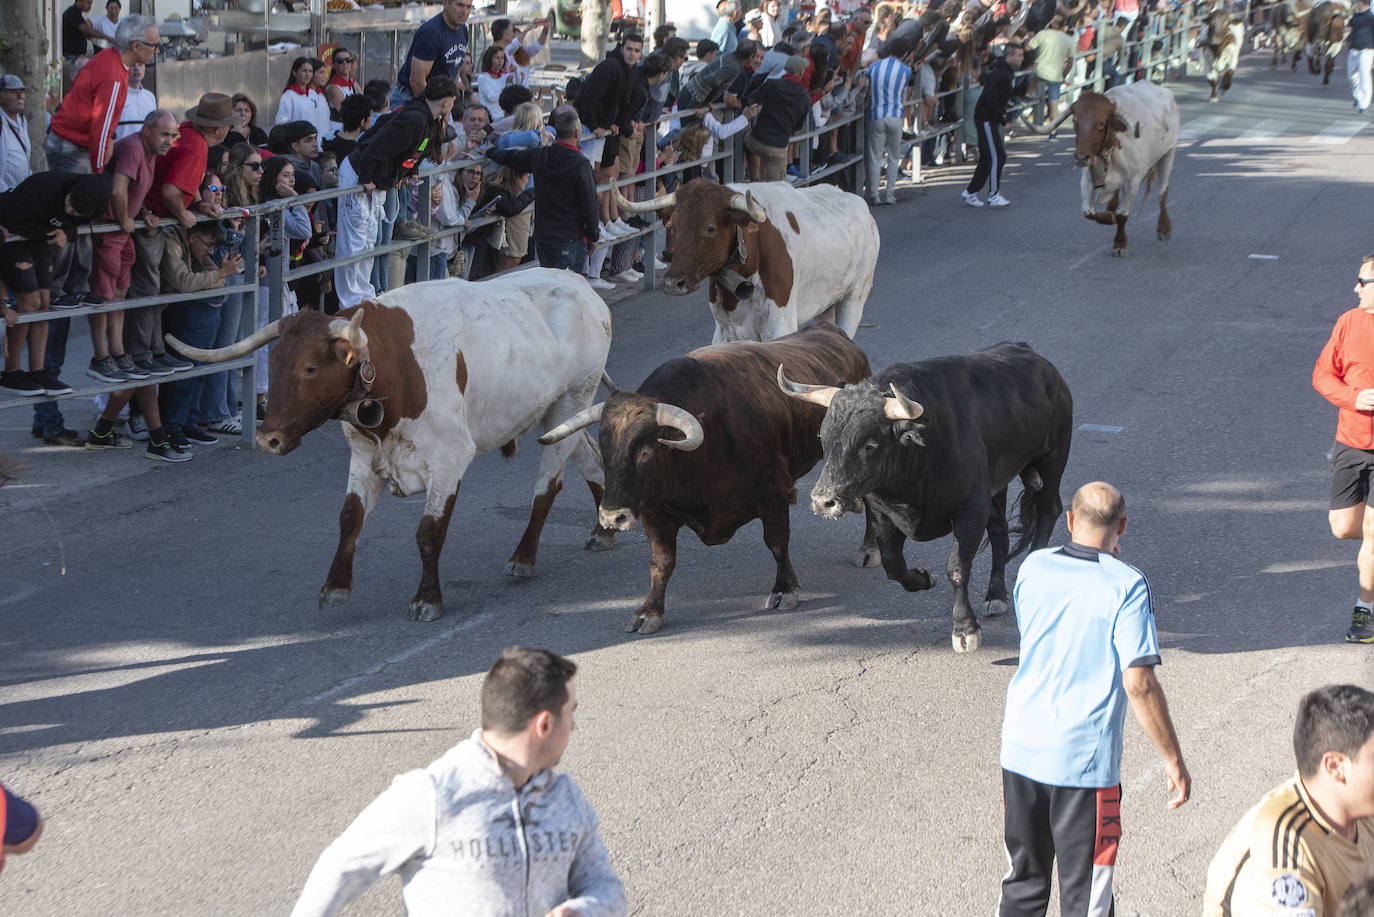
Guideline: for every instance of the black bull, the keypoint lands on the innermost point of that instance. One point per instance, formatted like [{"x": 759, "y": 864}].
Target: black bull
[
  {"x": 929, "y": 448},
  {"x": 708, "y": 442}
]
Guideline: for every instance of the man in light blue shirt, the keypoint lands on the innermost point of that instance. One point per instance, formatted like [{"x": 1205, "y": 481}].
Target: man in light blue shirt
[
  {"x": 888, "y": 79},
  {"x": 1088, "y": 646},
  {"x": 726, "y": 32}
]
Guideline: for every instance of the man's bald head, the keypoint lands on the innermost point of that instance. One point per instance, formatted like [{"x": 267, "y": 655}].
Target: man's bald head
[
  {"x": 158, "y": 131},
  {"x": 565, "y": 122},
  {"x": 1099, "y": 505}
]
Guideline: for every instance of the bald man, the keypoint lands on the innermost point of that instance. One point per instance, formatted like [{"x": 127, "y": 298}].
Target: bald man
[{"x": 1088, "y": 647}]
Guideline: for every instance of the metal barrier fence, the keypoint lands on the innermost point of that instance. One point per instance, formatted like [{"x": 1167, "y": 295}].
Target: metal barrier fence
[{"x": 267, "y": 220}]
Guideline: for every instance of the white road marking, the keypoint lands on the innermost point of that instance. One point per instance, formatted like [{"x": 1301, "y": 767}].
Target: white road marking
[
  {"x": 1338, "y": 132},
  {"x": 1266, "y": 130},
  {"x": 1099, "y": 428},
  {"x": 1197, "y": 128},
  {"x": 1255, "y": 257}
]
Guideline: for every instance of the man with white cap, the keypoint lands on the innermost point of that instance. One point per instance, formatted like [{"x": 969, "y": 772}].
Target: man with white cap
[{"x": 15, "y": 145}]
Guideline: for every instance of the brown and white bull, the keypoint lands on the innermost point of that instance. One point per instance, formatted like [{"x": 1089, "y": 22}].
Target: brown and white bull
[
  {"x": 776, "y": 256},
  {"x": 1325, "y": 36},
  {"x": 710, "y": 443},
  {"x": 1288, "y": 24},
  {"x": 1221, "y": 42},
  {"x": 1124, "y": 137},
  {"x": 427, "y": 378}
]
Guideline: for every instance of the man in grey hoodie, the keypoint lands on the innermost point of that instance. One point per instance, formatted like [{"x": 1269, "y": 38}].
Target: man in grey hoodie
[{"x": 489, "y": 828}]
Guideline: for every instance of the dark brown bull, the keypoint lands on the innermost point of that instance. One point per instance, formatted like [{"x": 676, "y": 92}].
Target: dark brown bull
[
  {"x": 1325, "y": 33},
  {"x": 1289, "y": 28},
  {"x": 710, "y": 443}
]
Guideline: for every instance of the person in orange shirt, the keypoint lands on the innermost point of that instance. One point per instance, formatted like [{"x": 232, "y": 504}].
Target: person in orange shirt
[{"x": 1344, "y": 375}]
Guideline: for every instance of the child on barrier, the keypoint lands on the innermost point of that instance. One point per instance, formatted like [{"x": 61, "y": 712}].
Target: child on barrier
[
  {"x": 467, "y": 187},
  {"x": 505, "y": 195},
  {"x": 278, "y": 183},
  {"x": 527, "y": 130}
]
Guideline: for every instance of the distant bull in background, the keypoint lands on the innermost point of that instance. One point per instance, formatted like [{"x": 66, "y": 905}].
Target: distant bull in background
[
  {"x": 426, "y": 379},
  {"x": 1124, "y": 137},
  {"x": 1325, "y": 36},
  {"x": 708, "y": 442},
  {"x": 776, "y": 256},
  {"x": 929, "y": 449}
]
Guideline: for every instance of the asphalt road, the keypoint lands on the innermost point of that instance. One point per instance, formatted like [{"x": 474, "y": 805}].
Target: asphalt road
[{"x": 196, "y": 731}]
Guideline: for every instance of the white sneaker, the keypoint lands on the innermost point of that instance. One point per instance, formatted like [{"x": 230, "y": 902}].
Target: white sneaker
[
  {"x": 659, "y": 265},
  {"x": 599, "y": 284},
  {"x": 970, "y": 199},
  {"x": 629, "y": 275},
  {"x": 606, "y": 234},
  {"x": 997, "y": 200},
  {"x": 890, "y": 197},
  {"x": 621, "y": 227}
]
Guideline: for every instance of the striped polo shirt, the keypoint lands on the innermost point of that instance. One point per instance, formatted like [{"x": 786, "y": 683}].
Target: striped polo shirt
[{"x": 887, "y": 80}]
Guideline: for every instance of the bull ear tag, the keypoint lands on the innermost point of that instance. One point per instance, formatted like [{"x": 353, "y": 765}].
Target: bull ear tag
[{"x": 744, "y": 289}]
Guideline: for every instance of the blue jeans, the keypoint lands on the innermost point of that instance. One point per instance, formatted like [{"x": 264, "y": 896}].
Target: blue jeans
[
  {"x": 219, "y": 398},
  {"x": 571, "y": 255},
  {"x": 72, "y": 267},
  {"x": 45, "y": 413},
  {"x": 390, "y": 213},
  {"x": 196, "y": 323},
  {"x": 438, "y": 267}
]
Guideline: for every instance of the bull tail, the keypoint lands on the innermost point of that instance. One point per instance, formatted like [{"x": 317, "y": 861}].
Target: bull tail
[{"x": 1027, "y": 514}]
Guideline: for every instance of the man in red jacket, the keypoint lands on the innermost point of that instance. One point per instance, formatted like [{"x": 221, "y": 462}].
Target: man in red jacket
[{"x": 1344, "y": 375}]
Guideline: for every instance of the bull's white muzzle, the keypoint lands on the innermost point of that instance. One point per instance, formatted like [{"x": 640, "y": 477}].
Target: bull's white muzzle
[{"x": 618, "y": 519}]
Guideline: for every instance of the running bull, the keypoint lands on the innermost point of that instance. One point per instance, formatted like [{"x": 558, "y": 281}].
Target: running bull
[
  {"x": 427, "y": 378},
  {"x": 776, "y": 256},
  {"x": 708, "y": 442},
  {"x": 929, "y": 448},
  {"x": 1221, "y": 43},
  {"x": 1325, "y": 36},
  {"x": 1124, "y": 137}
]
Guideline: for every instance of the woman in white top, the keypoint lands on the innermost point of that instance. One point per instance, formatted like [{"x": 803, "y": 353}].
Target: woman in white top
[
  {"x": 107, "y": 24},
  {"x": 493, "y": 78},
  {"x": 297, "y": 101},
  {"x": 769, "y": 31},
  {"x": 522, "y": 50}
]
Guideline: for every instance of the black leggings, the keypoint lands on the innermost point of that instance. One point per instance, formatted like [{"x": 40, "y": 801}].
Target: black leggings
[
  {"x": 991, "y": 158},
  {"x": 1080, "y": 828}
]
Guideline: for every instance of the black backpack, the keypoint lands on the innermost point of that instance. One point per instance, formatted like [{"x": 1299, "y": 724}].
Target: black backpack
[{"x": 571, "y": 91}]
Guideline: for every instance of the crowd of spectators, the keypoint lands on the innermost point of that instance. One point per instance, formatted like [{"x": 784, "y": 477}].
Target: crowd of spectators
[{"x": 521, "y": 196}]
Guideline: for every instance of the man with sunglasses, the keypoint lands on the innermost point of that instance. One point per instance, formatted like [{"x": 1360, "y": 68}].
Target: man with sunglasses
[{"x": 1344, "y": 375}]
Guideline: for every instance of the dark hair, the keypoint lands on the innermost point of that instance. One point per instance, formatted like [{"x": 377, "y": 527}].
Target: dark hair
[
  {"x": 705, "y": 47},
  {"x": 676, "y": 47},
  {"x": 215, "y": 155},
  {"x": 663, "y": 33},
  {"x": 1011, "y": 46},
  {"x": 252, "y": 107},
  {"x": 499, "y": 28},
  {"x": 1337, "y": 718},
  {"x": 378, "y": 93},
  {"x": 837, "y": 32},
  {"x": 471, "y": 105},
  {"x": 635, "y": 37},
  {"x": 747, "y": 49},
  {"x": 438, "y": 88},
  {"x": 276, "y": 140},
  {"x": 271, "y": 171},
  {"x": 896, "y": 47},
  {"x": 209, "y": 229},
  {"x": 820, "y": 61},
  {"x": 565, "y": 122},
  {"x": 656, "y": 64},
  {"x": 296, "y": 131},
  {"x": 513, "y": 96},
  {"x": 489, "y": 55},
  {"x": 318, "y": 64},
  {"x": 353, "y": 111},
  {"x": 296, "y": 65},
  {"x": 522, "y": 684},
  {"x": 89, "y": 195}
]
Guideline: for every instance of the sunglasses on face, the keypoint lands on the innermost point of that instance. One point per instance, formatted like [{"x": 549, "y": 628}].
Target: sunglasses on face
[
  {"x": 1364, "y": 281},
  {"x": 255, "y": 166},
  {"x": 213, "y": 188},
  {"x": 343, "y": 60}
]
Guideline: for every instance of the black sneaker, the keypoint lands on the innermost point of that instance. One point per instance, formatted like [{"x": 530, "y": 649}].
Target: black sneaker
[
  {"x": 111, "y": 440},
  {"x": 198, "y": 437},
  {"x": 178, "y": 440},
  {"x": 69, "y": 301},
  {"x": 166, "y": 452},
  {"x": 91, "y": 299},
  {"x": 105, "y": 369},
  {"x": 65, "y": 438},
  {"x": 127, "y": 367},
  {"x": 150, "y": 366},
  {"x": 51, "y": 384},
  {"x": 36, "y": 432},
  {"x": 1361, "y": 626},
  {"x": 17, "y": 382},
  {"x": 173, "y": 362}
]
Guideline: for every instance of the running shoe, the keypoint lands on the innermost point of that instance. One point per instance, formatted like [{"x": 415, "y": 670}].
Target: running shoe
[
  {"x": 173, "y": 362},
  {"x": 1361, "y": 626},
  {"x": 52, "y": 385},
  {"x": 997, "y": 200},
  {"x": 151, "y": 367},
  {"x": 111, "y": 440},
  {"x": 17, "y": 382},
  {"x": 105, "y": 369},
  {"x": 198, "y": 437},
  {"x": 599, "y": 284},
  {"x": 970, "y": 198},
  {"x": 166, "y": 452},
  {"x": 127, "y": 367}
]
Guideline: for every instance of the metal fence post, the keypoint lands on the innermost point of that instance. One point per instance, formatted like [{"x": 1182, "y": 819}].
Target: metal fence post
[
  {"x": 1100, "y": 74},
  {"x": 860, "y": 145},
  {"x": 1146, "y": 43},
  {"x": 248, "y": 322},
  {"x": 728, "y": 167},
  {"x": 961, "y": 109},
  {"x": 1185, "y": 38},
  {"x": 650, "y": 249},
  {"x": 422, "y": 214}
]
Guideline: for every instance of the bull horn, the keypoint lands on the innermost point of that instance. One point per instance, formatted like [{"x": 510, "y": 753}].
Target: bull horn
[
  {"x": 263, "y": 336},
  {"x": 746, "y": 203},
  {"x": 901, "y": 407},
  {"x": 350, "y": 330},
  {"x": 583, "y": 418},
  {"x": 667, "y": 415},
  {"x": 1053, "y": 126},
  {"x": 658, "y": 203},
  {"x": 816, "y": 394}
]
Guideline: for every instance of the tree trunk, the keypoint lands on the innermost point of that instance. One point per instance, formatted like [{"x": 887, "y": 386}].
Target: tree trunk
[
  {"x": 596, "y": 30},
  {"x": 24, "y": 52}
]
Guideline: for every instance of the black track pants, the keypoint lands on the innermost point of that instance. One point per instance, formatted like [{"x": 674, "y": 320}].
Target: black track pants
[
  {"x": 1081, "y": 828},
  {"x": 991, "y": 157}
]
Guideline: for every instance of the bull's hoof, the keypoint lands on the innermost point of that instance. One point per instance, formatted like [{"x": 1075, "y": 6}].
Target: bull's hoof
[
  {"x": 783, "y": 601},
  {"x": 918, "y": 581},
  {"x": 520, "y": 569},
  {"x": 994, "y": 608},
  {"x": 967, "y": 643},
  {"x": 1212, "y": 99},
  {"x": 652, "y": 624},
  {"x": 601, "y": 541},
  {"x": 421, "y": 610},
  {"x": 1162, "y": 236},
  {"x": 1118, "y": 253},
  {"x": 868, "y": 557},
  {"x": 636, "y": 622},
  {"x": 333, "y": 596}
]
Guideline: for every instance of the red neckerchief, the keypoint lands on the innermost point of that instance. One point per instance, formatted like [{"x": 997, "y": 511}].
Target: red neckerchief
[
  {"x": 337, "y": 80},
  {"x": 496, "y": 74},
  {"x": 570, "y": 146},
  {"x": 296, "y": 88}
]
